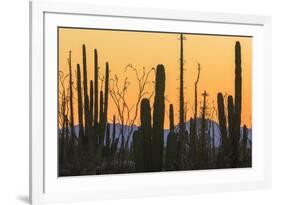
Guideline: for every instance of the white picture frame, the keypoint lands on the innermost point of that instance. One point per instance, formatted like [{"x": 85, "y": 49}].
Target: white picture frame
[{"x": 46, "y": 187}]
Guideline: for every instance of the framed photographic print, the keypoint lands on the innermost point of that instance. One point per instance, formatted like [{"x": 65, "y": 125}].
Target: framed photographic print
[{"x": 129, "y": 102}]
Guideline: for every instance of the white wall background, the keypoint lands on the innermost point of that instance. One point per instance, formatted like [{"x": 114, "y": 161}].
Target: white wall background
[{"x": 14, "y": 100}]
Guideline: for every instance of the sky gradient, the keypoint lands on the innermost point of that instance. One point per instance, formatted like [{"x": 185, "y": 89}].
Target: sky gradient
[{"x": 145, "y": 49}]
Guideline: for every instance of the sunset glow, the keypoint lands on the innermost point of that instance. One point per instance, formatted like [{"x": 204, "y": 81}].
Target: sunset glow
[{"x": 215, "y": 54}]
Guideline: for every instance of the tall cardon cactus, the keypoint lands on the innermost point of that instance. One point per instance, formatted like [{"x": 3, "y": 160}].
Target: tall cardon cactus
[
  {"x": 79, "y": 104},
  {"x": 238, "y": 97},
  {"x": 158, "y": 119},
  {"x": 86, "y": 96}
]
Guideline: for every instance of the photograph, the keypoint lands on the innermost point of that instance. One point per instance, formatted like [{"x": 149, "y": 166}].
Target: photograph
[{"x": 136, "y": 101}]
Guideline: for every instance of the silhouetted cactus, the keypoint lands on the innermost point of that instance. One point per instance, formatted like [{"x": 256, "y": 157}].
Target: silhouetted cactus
[
  {"x": 222, "y": 118},
  {"x": 96, "y": 89},
  {"x": 145, "y": 116},
  {"x": 238, "y": 97},
  {"x": 101, "y": 130},
  {"x": 138, "y": 145},
  {"x": 171, "y": 148},
  {"x": 80, "y": 109},
  {"x": 158, "y": 119},
  {"x": 91, "y": 102},
  {"x": 230, "y": 111},
  {"x": 171, "y": 117},
  {"x": 71, "y": 99},
  {"x": 86, "y": 96},
  {"x": 222, "y": 122}
]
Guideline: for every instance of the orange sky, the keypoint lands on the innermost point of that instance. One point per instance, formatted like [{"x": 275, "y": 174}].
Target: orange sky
[{"x": 146, "y": 49}]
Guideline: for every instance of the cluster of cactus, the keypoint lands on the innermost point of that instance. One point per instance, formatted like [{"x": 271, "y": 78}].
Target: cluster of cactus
[
  {"x": 230, "y": 154},
  {"x": 148, "y": 141},
  {"x": 196, "y": 149},
  {"x": 95, "y": 147}
]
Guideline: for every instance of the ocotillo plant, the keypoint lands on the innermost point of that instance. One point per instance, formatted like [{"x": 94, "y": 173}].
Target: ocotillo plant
[
  {"x": 145, "y": 116},
  {"x": 238, "y": 97},
  {"x": 158, "y": 119}
]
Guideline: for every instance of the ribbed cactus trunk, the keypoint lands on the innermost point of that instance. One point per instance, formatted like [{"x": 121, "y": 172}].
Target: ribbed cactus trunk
[
  {"x": 223, "y": 131},
  {"x": 101, "y": 127},
  {"x": 86, "y": 96},
  {"x": 222, "y": 118},
  {"x": 158, "y": 119},
  {"x": 91, "y": 103},
  {"x": 104, "y": 104},
  {"x": 96, "y": 96},
  {"x": 145, "y": 115},
  {"x": 80, "y": 105},
  {"x": 73, "y": 136},
  {"x": 171, "y": 117},
  {"x": 230, "y": 112},
  {"x": 238, "y": 98}
]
